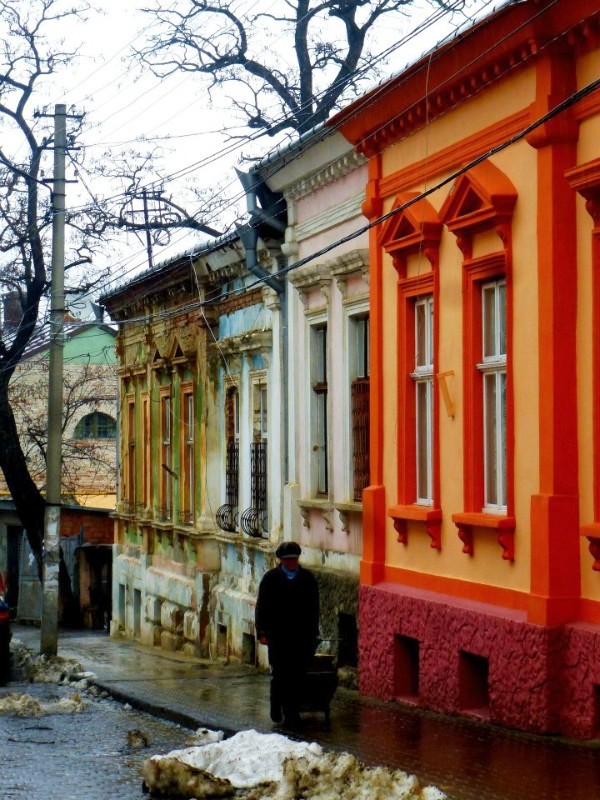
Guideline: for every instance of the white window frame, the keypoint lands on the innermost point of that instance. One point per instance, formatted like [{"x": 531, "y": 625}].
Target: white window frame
[
  {"x": 493, "y": 370},
  {"x": 353, "y": 311},
  {"x": 422, "y": 376},
  {"x": 314, "y": 457}
]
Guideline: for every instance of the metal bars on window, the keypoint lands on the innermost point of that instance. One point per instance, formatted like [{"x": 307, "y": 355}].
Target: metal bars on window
[
  {"x": 359, "y": 393},
  {"x": 227, "y": 514},
  {"x": 254, "y": 519}
]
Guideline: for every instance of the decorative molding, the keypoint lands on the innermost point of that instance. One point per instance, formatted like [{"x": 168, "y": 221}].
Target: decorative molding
[
  {"x": 327, "y": 174},
  {"x": 503, "y": 525},
  {"x": 324, "y": 507},
  {"x": 349, "y": 264},
  {"x": 592, "y": 533},
  {"x": 247, "y": 342},
  {"x": 415, "y": 229},
  {"x": 305, "y": 514},
  {"x": 312, "y": 276},
  {"x": 345, "y": 510},
  {"x": 454, "y": 156},
  {"x": 331, "y": 217},
  {"x": 271, "y": 299},
  {"x": 430, "y": 517},
  {"x": 585, "y": 179}
]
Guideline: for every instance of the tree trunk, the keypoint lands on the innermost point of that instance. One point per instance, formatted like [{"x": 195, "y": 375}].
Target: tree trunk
[{"x": 30, "y": 504}]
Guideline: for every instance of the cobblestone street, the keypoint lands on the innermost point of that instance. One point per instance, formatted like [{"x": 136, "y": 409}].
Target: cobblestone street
[{"x": 83, "y": 756}]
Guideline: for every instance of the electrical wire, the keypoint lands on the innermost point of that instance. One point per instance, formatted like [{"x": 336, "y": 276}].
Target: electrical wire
[
  {"x": 559, "y": 108},
  {"x": 431, "y": 89}
]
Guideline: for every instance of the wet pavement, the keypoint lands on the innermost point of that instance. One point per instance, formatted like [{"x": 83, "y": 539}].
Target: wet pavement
[
  {"x": 466, "y": 759},
  {"x": 84, "y": 756}
]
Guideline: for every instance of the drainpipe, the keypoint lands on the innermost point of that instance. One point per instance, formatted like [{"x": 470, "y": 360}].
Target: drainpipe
[{"x": 249, "y": 238}]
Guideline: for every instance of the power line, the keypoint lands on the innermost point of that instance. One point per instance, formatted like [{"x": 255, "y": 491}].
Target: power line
[
  {"x": 559, "y": 108},
  {"x": 328, "y": 129}
]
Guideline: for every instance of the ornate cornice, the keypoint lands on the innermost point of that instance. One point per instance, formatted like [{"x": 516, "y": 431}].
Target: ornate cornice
[
  {"x": 327, "y": 174},
  {"x": 450, "y": 93}
]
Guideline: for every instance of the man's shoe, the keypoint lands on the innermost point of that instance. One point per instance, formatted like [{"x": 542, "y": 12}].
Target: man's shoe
[{"x": 276, "y": 715}]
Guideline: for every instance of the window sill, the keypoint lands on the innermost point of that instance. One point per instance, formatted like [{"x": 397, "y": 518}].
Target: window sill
[
  {"x": 325, "y": 506},
  {"x": 504, "y": 525},
  {"x": 592, "y": 533},
  {"x": 431, "y": 517}
]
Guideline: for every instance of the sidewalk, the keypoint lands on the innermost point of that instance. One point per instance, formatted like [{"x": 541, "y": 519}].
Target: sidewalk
[{"x": 468, "y": 760}]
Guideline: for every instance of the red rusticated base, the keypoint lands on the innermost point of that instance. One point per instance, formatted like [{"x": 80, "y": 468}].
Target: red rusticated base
[{"x": 537, "y": 679}]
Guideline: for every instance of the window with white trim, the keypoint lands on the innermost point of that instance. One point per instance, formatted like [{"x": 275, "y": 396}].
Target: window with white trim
[
  {"x": 493, "y": 370},
  {"x": 318, "y": 358},
  {"x": 359, "y": 403},
  {"x": 422, "y": 376}
]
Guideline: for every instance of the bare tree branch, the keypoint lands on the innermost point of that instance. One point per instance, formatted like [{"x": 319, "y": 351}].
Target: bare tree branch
[{"x": 328, "y": 53}]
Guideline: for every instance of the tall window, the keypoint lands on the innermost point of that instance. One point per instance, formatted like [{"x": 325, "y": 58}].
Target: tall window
[
  {"x": 146, "y": 460},
  {"x": 493, "y": 369},
  {"x": 359, "y": 393},
  {"x": 422, "y": 376},
  {"x": 130, "y": 487},
  {"x": 319, "y": 393},
  {"x": 187, "y": 459},
  {"x": 227, "y": 514},
  {"x": 166, "y": 470},
  {"x": 232, "y": 432},
  {"x": 254, "y": 520}
]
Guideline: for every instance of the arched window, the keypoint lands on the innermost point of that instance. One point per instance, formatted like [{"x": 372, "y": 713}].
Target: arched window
[{"x": 96, "y": 426}]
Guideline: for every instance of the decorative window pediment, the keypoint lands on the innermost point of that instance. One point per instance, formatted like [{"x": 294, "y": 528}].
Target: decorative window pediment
[
  {"x": 481, "y": 198},
  {"x": 157, "y": 360},
  {"x": 312, "y": 276},
  {"x": 415, "y": 229},
  {"x": 349, "y": 264},
  {"x": 250, "y": 342}
]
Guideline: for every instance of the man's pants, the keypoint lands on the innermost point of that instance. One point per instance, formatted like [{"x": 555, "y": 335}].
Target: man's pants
[{"x": 288, "y": 672}]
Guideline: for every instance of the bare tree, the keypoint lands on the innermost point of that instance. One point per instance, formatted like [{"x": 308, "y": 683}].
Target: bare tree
[
  {"x": 32, "y": 55},
  {"x": 89, "y": 456},
  {"x": 291, "y": 65},
  {"x": 26, "y": 60}
]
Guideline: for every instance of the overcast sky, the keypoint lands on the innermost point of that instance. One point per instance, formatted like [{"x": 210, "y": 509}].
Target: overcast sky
[{"x": 122, "y": 104}]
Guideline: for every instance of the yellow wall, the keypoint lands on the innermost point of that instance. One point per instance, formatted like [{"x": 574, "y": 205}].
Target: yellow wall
[{"x": 519, "y": 163}]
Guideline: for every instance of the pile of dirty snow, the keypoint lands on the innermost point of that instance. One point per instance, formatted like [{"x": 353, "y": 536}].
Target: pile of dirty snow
[
  {"x": 36, "y": 668},
  {"x": 253, "y": 765},
  {"x": 24, "y": 705}
]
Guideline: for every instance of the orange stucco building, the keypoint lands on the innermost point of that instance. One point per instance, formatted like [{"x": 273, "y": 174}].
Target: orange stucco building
[{"x": 480, "y": 574}]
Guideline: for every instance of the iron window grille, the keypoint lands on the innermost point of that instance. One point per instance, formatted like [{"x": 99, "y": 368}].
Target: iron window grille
[
  {"x": 254, "y": 519},
  {"x": 227, "y": 514}
]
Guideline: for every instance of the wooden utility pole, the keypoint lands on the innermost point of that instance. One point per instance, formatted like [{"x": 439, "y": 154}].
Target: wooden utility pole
[{"x": 51, "y": 552}]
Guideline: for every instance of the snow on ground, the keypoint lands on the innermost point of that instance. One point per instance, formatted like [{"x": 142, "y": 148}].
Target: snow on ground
[
  {"x": 24, "y": 705},
  {"x": 36, "y": 668},
  {"x": 255, "y": 765}
]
